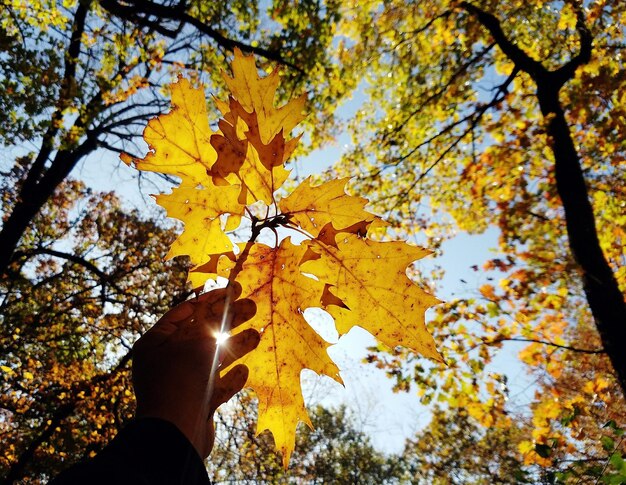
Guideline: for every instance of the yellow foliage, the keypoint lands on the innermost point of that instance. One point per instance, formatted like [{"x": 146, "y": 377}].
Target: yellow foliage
[
  {"x": 359, "y": 281},
  {"x": 180, "y": 140},
  {"x": 256, "y": 95},
  {"x": 382, "y": 302},
  {"x": 271, "y": 277},
  {"x": 567, "y": 21},
  {"x": 314, "y": 207},
  {"x": 201, "y": 211}
]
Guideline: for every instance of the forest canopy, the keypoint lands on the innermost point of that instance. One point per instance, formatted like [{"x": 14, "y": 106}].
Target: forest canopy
[{"x": 504, "y": 116}]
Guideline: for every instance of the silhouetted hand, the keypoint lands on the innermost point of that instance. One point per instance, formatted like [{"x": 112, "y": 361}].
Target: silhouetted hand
[{"x": 173, "y": 364}]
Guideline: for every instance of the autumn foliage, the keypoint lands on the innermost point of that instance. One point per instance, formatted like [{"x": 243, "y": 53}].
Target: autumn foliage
[
  {"x": 234, "y": 174},
  {"x": 467, "y": 118}
]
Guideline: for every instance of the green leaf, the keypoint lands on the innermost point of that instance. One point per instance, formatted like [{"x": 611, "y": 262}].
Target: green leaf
[
  {"x": 607, "y": 443},
  {"x": 613, "y": 425},
  {"x": 614, "y": 479},
  {"x": 618, "y": 463}
]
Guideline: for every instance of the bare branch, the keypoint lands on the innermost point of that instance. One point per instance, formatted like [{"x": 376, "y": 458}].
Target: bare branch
[{"x": 498, "y": 340}]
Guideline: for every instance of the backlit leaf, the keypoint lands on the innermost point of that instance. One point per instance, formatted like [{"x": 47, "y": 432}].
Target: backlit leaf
[
  {"x": 257, "y": 95},
  {"x": 370, "y": 278},
  {"x": 180, "y": 140},
  {"x": 271, "y": 277},
  {"x": 200, "y": 209},
  {"x": 312, "y": 207},
  {"x": 359, "y": 281}
]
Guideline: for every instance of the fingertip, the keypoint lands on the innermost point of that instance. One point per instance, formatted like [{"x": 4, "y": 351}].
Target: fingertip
[
  {"x": 180, "y": 312},
  {"x": 244, "y": 310},
  {"x": 235, "y": 288},
  {"x": 239, "y": 345},
  {"x": 229, "y": 385},
  {"x": 245, "y": 341}
]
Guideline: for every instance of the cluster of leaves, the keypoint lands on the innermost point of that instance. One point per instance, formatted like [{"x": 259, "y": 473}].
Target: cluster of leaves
[
  {"x": 611, "y": 470},
  {"x": 78, "y": 76},
  {"x": 339, "y": 451},
  {"x": 233, "y": 174}
]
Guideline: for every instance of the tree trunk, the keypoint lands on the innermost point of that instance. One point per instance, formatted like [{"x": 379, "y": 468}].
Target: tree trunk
[
  {"x": 34, "y": 196},
  {"x": 601, "y": 289}
]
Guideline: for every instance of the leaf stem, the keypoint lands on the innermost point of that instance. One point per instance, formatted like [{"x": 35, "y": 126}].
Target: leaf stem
[{"x": 297, "y": 229}]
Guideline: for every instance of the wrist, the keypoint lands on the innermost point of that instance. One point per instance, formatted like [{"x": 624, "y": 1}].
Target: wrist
[{"x": 195, "y": 426}]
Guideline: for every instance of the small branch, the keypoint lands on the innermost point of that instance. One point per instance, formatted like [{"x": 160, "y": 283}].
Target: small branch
[
  {"x": 538, "y": 216},
  {"x": 474, "y": 119},
  {"x": 538, "y": 341},
  {"x": 69, "y": 257},
  {"x": 608, "y": 459},
  {"x": 138, "y": 11},
  {"x": 461, "y": 70}
]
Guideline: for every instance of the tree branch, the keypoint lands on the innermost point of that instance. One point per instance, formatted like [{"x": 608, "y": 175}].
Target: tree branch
[
  {"x": 31, "y": 196},
  {"x": 138, "y": 11},
  {"x": 521, "y": 60},
  {"x": 474, "y": 118},
  {"x": 566, "y": 72},
  {"x": 602, "y": 291},
  {"x": 538, "y": 341}
]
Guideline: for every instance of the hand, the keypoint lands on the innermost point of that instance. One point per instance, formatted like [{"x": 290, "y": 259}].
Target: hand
[{"x": 174, "y": 362}]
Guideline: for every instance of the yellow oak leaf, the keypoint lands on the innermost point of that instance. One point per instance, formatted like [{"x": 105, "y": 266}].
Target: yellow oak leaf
[
  {"x": 200, "y": 274},
  {"x": 271, "y": 277},
  {"x": 372, "y": 229},
  {"x": 201, "y": 209},
  {"x": 257, "y": 94},
  {"x": 312, "y": 207},
  {"x": 370, "y": 278},
  {"x": 242, "y": 153},
  {"x": 260, "y": 182},
  {"x": 272, "y": 153},
  {"x": 180, "y": 140}
]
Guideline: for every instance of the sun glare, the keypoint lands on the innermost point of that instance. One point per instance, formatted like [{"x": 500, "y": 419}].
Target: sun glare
[{"x": 221, "y": 337}]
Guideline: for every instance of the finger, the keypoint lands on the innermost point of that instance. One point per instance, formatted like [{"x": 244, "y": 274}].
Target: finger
[
  {"x": 214, "y": 312},
  {"x": 180, "y": 312},
  {"x": 219, "y": 294},
  {"x": 242, "y": 311},
  {"x": 227, "y": 386},
  {"x": 237, "y": 346},
  {"x": 166, "y": 325},
  {"x": 222, "y": 298}
]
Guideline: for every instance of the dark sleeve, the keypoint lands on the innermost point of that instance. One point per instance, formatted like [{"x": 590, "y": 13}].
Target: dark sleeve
[{"x": 148, "y": 451}]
